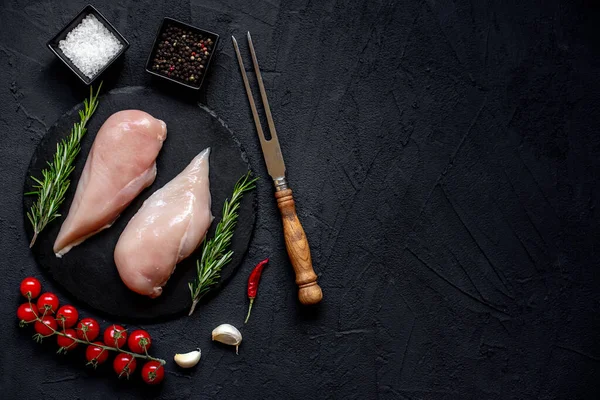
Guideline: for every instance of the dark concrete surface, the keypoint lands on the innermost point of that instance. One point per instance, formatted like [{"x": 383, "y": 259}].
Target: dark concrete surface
[{"x": 444, "y": 156}]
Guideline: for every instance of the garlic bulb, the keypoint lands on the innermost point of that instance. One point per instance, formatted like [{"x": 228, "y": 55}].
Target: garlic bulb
[
  {"x": 227, "y": 334},
  {"x": 187, "y": 360}
]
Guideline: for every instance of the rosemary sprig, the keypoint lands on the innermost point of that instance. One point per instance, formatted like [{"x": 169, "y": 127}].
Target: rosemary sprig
[
  {"x": 214, "y": 251},
  {"x": 51, "y": 189}
]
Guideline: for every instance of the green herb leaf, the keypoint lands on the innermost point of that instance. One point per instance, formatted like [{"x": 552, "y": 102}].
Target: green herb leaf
[
  {"x": 214, "y": 251},
  {"x": 51, "y": 189}
]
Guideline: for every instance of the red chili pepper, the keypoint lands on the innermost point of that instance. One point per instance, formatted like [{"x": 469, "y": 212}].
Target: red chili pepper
[{"x": 253, "y": 281}]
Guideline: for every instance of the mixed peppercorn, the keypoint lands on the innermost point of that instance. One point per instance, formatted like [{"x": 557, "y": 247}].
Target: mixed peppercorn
[{"x": 182, "y": 54}]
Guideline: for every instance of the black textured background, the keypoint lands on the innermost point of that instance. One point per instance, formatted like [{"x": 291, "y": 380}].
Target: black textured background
[{"x": 444, "y": 160}]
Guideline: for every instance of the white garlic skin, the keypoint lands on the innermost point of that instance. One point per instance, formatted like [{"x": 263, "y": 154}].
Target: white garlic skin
[
  {"x": 227, "y": 334},
  {"x": 188, "y": 360}
]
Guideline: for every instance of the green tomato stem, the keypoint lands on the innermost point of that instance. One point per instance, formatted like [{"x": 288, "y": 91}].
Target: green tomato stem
[{"x": 87, "y": 342}]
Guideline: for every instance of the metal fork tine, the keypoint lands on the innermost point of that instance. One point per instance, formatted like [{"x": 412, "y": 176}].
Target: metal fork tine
[
  {"x": 261, "y": 86},
  {"x": 257, "y": 123}
]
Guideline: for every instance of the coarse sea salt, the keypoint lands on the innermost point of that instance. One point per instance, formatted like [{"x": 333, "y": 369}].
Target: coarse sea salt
[{"x": 90, "y": 46}]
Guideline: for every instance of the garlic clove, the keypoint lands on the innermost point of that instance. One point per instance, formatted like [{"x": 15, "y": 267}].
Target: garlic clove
[
  {"x": 188, "y": 360},
  {"x": 227, "y": 334}
]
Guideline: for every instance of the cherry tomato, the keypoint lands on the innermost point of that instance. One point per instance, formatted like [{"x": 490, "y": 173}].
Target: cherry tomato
[
  {"x": 44, "y": 328},
  {"x": 88, "y": 329},
  {"x": 115, "y": 336},
  {"x": 31, "y": 287},
  {"x": 95, "y": 354},
  {"x": 47, "y": 301},
  {"x": 124, "y": 364},
  {"x": 26, "y": 312},
  {"x": 67, "y": 316},
  {"x": 67, "y": 342},
  {"x": 153, "y": 372},
  {"x": 138, "y": 340}
]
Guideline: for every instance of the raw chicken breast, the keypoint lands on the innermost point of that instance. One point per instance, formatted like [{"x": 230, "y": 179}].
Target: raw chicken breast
[
  {"x": 168, "y": 227},
  {"x": 120, "y": 165}
]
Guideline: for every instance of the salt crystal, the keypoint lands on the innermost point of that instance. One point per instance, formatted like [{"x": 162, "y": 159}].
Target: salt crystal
[{"x": 90, "y": 46}]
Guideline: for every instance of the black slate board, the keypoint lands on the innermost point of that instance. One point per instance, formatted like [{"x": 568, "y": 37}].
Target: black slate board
[{"x": 88, "y": 271}]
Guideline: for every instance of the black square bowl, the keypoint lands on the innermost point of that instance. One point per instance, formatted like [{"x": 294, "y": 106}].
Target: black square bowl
[
  {"x": 87, "y": 10},
  {"x": 170, "y": 22}
]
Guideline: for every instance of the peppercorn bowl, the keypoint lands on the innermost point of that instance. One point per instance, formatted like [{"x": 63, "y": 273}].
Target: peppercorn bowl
[
  {"x": 78, "y": 45},
  {"x": 181, "y": 53}
]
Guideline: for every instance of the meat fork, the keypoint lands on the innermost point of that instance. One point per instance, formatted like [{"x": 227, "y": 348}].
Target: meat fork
[{"x": 296, "y": 243}]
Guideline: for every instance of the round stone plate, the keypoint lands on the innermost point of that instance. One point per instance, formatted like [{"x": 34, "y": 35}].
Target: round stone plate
[{"x": 88, "y": 271}]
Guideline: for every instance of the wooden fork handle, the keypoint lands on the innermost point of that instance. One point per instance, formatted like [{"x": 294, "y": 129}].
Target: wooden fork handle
[{"x": 298, "y": 250}]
